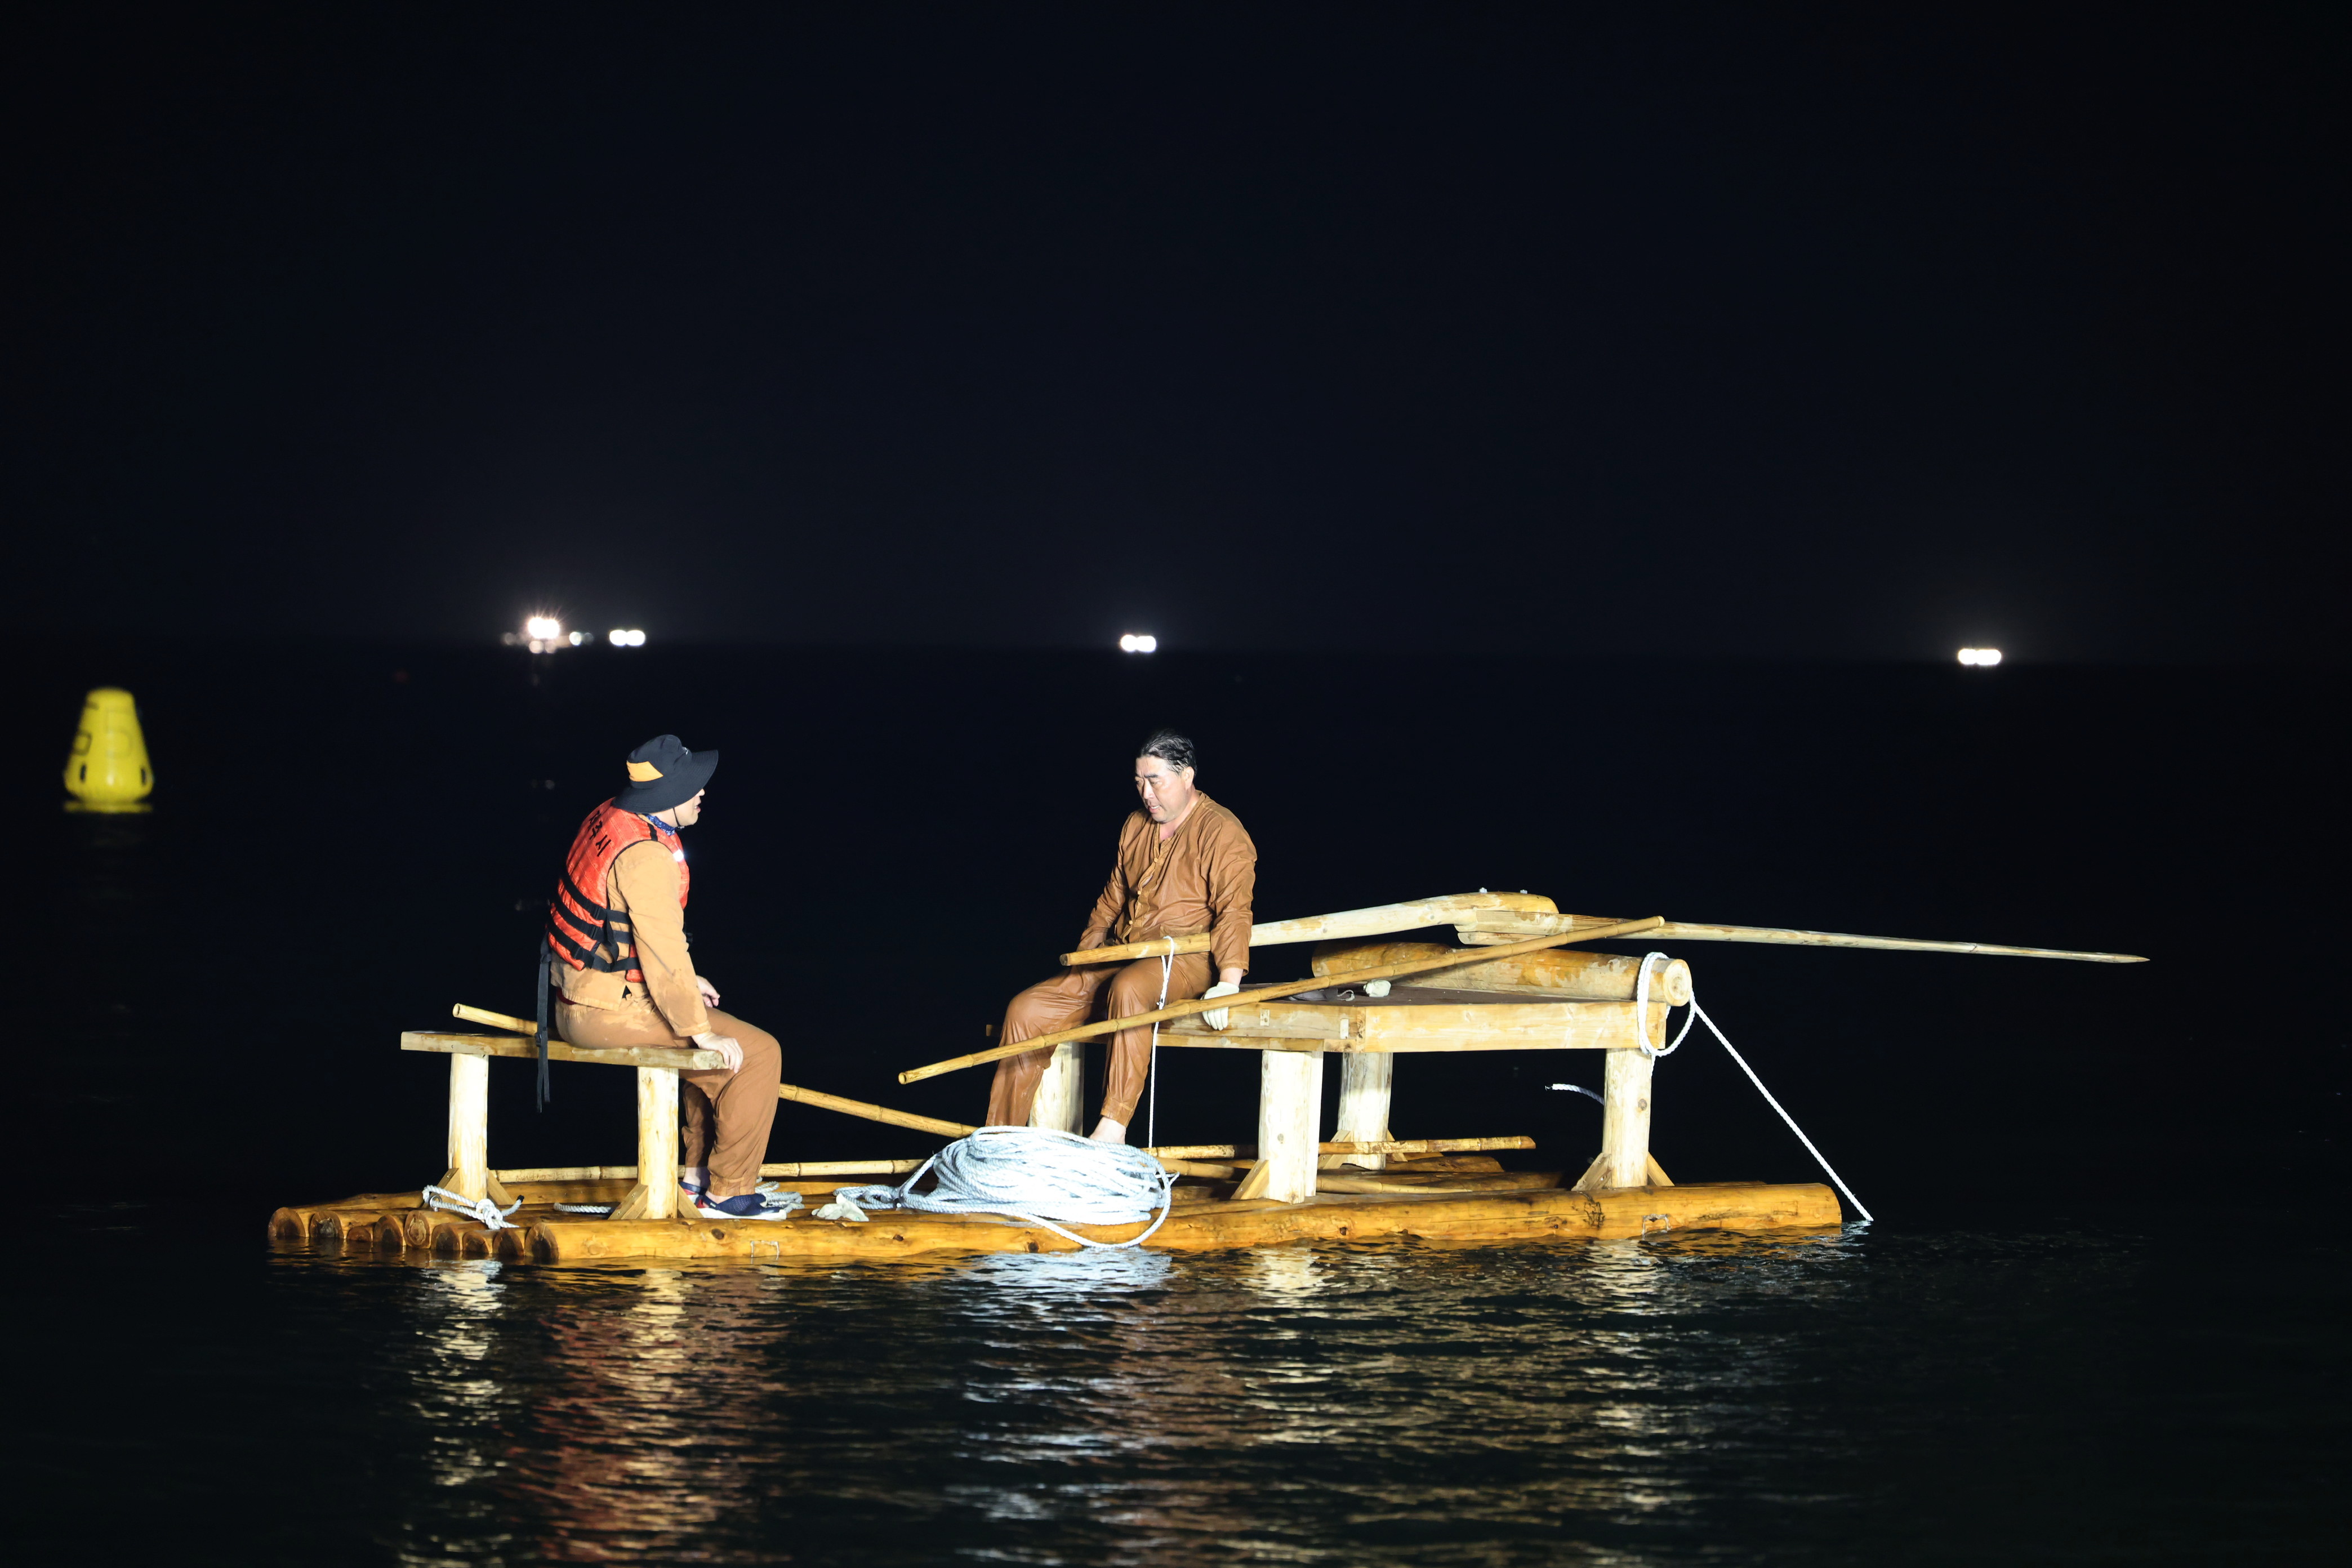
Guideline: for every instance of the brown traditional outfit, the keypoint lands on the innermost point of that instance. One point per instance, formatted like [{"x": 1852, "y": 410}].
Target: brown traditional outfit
[
  {"x": 727, "y": 1114},
  {"x": 1200, "y": 879}
]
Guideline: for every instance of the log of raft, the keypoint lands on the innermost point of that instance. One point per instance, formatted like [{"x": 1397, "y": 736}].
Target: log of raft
[
  {"x": 1554, "y": 972},
  {"x": 1379, "y": 920},
  {"x": 1500, "y": 1216}
]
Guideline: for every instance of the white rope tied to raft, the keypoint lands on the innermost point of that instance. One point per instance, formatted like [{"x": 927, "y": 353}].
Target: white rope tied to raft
[
  {"x": 481, "y": 1209},
  {"x": 1035, "y": 1175},
  {"x": 1641, "y": 1011},
  {"x": 1698, "y": 1013},
  {"x": 1151, "y": 1112}
]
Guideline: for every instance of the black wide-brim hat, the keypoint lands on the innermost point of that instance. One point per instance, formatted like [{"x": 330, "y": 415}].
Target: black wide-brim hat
[{"x": 663, "y": 773}]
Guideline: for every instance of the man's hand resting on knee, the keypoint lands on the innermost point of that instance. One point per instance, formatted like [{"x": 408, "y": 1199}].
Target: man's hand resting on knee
[{"x": 725, "y": 1046}]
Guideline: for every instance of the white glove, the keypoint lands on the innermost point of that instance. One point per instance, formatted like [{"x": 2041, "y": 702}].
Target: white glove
[{"x": 1218, "y": 1017}]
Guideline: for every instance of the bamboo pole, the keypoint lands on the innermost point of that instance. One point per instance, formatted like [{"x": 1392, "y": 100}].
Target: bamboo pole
[
  {"x": 806, "y": 1168},
  {"x": 547, "y": 1174},
  {"x": 1275, "y": 992},
  {"x": 506, "y": 1021},
  {"x": 1502, "y": 926},
  {"x": 1691, "y": 932},
  {"x": 1378, "y": 920},
  {"x": 882, "y": 1113},
  {"x": 1398, "y": 1146}
]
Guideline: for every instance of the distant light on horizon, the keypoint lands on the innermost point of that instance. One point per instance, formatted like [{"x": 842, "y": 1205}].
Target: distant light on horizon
[
  {"x": 632, "y": 637},
  {"x": 1985, "y": 656},
  {"x": 1138, "y": 642},
  {"x": 543, "y": 628}
]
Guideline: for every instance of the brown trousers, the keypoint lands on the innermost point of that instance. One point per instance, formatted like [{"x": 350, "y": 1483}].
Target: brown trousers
[
  {"x": 727, "y": 1114},
  {"x": 1071, "y": 998}
]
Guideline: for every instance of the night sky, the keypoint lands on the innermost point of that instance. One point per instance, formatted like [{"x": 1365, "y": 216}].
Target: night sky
[{"x": 1676, "y": 331}]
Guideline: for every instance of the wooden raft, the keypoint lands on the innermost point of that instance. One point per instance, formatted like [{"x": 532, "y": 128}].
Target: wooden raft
[
  {"x": 1515, "y": 1209},
  {"x": 1514, "y": 988}
]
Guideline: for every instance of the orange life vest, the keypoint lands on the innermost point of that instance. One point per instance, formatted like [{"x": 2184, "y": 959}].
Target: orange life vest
[{"x": 578, "y": 923}]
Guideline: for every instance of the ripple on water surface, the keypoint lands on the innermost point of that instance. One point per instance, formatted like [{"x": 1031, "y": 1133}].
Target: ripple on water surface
[{"x": 1831, "y": 1397}]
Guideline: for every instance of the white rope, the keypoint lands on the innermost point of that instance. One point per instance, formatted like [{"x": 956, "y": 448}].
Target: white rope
[
  {"x": 1641, "y": 1025},
  {"x": 1775, "y": 1105},
  {"x": 1034, "y": 1175},
  {"x": 1641, "y": 1012},
  {"x": 586, "y": 1208},
  {"x": 481, "y": 1209},
  {"x": 1152, "y": 1113},
  {"x": 778, "y": 1198}
]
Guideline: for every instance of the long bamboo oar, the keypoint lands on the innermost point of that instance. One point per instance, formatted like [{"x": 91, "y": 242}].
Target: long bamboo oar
[
  {"x": 1691, "y": 932},
  {"x": 1276, "y": 992},
  {"x": 1508, "y": 924},
  {"x": 872, "y": 1112}
]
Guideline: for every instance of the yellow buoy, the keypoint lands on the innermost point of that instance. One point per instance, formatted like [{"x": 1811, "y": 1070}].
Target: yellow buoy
[{"x": 108, "y": 770}]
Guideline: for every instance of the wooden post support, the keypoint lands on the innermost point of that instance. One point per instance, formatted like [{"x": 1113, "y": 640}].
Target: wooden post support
[
  {"x": 656, "y": 1147},
  {"x": 470, "y": 1126},
  {"x": 1289, "y": 1107},
  {"x": 1366, "y": 1079},
  {"x": 1061, "y": 1093},
  {"x": 1625, "y": 1120}
]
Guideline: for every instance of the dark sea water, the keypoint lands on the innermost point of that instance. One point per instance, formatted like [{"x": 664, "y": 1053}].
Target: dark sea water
[{"x": 2100, "y": 1318}]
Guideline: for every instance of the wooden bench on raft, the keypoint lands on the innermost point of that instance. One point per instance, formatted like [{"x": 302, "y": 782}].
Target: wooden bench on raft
[
  {"x": 655, "y": 1195},
  {"x": 1529, "y": 995},
  {"x": 1511, "y": 986}
]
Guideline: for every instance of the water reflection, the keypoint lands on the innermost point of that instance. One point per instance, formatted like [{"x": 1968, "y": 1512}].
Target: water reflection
[{"x": 1130, "y": 1407}]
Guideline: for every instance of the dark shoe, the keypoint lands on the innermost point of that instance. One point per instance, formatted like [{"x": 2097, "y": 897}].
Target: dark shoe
[{"x": 750, "y": 1206}]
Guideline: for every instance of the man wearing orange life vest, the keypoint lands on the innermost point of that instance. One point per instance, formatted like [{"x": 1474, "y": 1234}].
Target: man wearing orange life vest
[
  {"x": 1185, "y": 866},
  {"x": 618, "y": 929}
]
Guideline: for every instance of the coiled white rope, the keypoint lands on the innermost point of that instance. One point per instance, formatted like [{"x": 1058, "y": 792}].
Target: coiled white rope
[
  {"x": 1033, "y": 1174},
  {"x": 481, "y": 1209}
]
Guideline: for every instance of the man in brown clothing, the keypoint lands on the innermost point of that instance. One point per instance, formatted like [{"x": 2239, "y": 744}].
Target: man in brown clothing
[
  {"x": 1185, "y": 866},
  {"x": 617, "y": 925}
]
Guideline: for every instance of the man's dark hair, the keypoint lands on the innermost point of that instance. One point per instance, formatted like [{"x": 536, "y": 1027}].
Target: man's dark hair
[{"x": 1169, "y": 747}]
